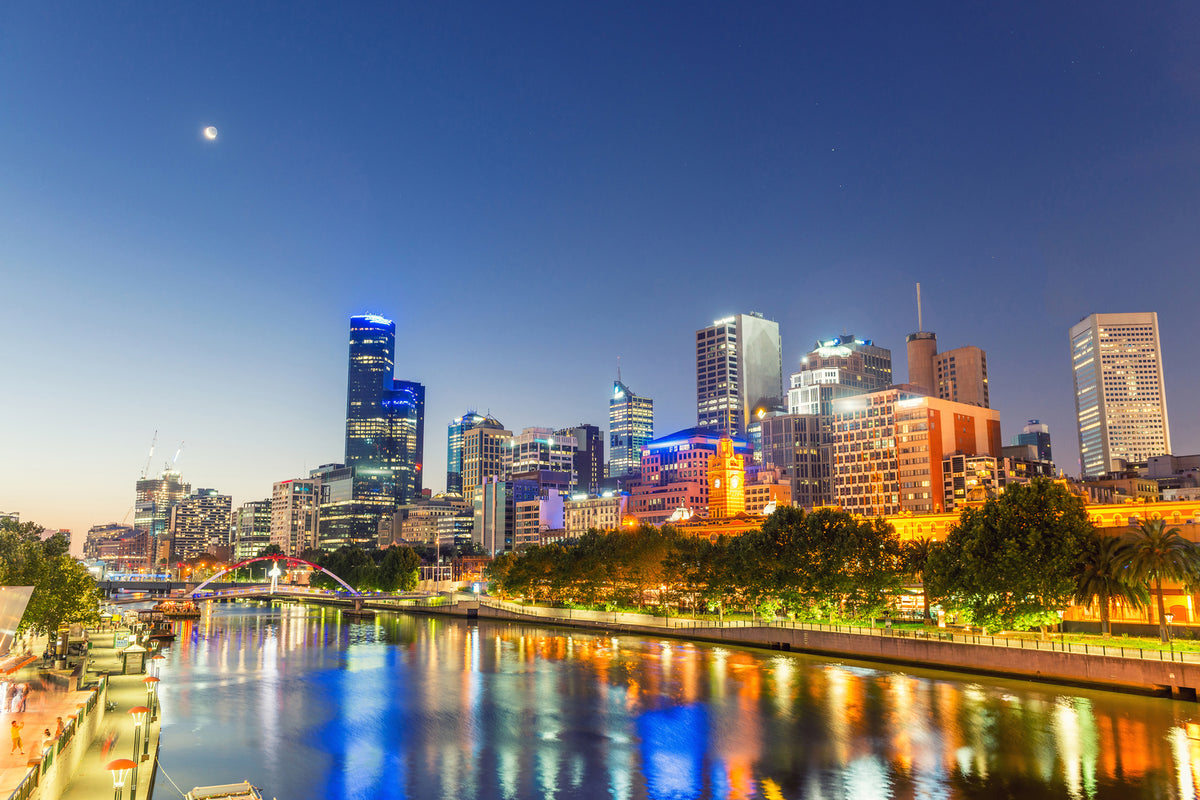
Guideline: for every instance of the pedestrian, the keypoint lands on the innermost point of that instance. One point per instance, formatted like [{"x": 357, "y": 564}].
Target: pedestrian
[
  {"x": 16, "y": 737},
  {"x": 58, "y": 731},
  {"x": 23, "y": 697}
]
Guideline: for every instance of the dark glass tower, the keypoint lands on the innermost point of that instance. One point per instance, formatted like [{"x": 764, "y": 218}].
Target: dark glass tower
[{"x": 385, "y": 427}]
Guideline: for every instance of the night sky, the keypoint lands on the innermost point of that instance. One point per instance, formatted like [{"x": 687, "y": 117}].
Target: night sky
[{"x": 532, "y": 190}]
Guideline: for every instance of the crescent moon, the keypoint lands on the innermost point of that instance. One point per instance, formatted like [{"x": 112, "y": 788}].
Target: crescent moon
[{"x": 210, "y": 133}]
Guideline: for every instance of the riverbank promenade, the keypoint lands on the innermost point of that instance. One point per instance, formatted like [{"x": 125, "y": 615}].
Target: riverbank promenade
[{"x": 97, "y": 727}]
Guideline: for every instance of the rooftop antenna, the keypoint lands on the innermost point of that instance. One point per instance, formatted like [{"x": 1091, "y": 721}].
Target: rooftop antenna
[
  {"x": 618, "y": 369},
  {"x": 920, "y": 325}
]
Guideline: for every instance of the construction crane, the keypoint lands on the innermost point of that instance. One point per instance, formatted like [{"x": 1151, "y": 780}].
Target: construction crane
[
  {"x": 171, "y": 465},
  {"x": 153, "y": 442}
]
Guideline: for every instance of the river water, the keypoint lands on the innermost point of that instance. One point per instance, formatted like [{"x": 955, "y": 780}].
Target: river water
[{"x": 307, "y": 705}]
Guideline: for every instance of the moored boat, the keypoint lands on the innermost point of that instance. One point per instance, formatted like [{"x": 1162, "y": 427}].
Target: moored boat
[{"x": 228, "y": 791}]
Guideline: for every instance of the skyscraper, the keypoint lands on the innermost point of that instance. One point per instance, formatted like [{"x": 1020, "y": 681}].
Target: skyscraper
[
  {"x": 1037, "y": 435},
  {"x": 385, "y": 427},
  {"x": 739, "y": 367},
  {"x": 630, "y": 425},
  {"x": 199, "y": 522},
  {"x": 960, "y": 375},
  {"x": 455, "y": 433},
  {"x": 1120, "y": 400},
  {"x": 152, "y": 508},
  {"x": 589, "y": 456}
]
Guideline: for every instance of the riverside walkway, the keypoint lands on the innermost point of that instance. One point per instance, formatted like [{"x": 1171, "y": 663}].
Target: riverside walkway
[{"x": 97, "y": 729}]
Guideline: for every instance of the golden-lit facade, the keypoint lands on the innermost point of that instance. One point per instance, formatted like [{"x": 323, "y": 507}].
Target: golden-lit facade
[{"x": 726, "y": 482}]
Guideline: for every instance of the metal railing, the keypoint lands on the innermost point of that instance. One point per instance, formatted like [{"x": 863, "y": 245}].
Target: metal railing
[{"x": 940, "y": 635}]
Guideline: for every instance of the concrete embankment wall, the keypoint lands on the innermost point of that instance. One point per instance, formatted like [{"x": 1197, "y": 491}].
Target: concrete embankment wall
[{"x": 1107, "y": 672}]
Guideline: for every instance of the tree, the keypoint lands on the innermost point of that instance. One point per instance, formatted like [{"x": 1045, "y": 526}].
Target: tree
[
  {"x": 915, "y": 556},
  {"x": 1155, "y": 553},
  {"x": 64, "y": 592},
  {"x": 398, "y": 572},
  {"x": 1104, "y": 576},
  {"x": 1012, "y": 563}
]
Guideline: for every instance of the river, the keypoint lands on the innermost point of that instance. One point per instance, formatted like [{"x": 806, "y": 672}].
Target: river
[{"x": 307, "y": 705}]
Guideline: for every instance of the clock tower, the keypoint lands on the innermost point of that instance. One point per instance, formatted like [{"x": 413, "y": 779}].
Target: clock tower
[{"x": 726, "y": 482}]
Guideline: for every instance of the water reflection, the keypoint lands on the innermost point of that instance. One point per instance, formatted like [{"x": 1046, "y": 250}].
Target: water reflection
[{"x": 305, "y": 704}]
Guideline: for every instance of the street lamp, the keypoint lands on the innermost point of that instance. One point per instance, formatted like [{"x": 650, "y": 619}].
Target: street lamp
[
  {"x": 139, "y": 717},
  {"x": 1170, "y": 639},
  {"x": 141, "y": 729},
  {"x": 152, "y": 694},
  {"x": 156, "y": 662},
  {"x": 120, "y": 770},
  {"x": 1062, "y": 634}
]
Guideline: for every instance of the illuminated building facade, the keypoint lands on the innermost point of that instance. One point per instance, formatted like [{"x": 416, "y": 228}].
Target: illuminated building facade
[
  {"x": 835, "y": 368},
  {"x": 889, "y": 448},
  {"x": 494, "y": 505},
  {"x": 455, "y": 433},
  {"x": 766, "y": 491},
  {"x": 422, "y": 522},
  {"x": 972, "y": 480},
  {"x": 726, "y": 482},
  {"x": 675, "y": 475},
  {"x": 385, "y": 426},
  {"x": 199, "y": 523},
  {"x": 484, "y": 448},
  {"x": 1120, "y": 400},
  {"x": 538, "y": 449},
  {"x": 251, "y": 529},
  {"x": 739, "y": 367},
  {"x": 97, "y": 535},
  {"x": 294, "y": 515},
  {"x": 152, "y": 508},
  {"x": 630, "y": 427},
  {"x": 604, "y": 513},
  {"x": 536, "y": 517},
  {"x": 798, "y": 445},
  {"x": 341, "y": 519}
]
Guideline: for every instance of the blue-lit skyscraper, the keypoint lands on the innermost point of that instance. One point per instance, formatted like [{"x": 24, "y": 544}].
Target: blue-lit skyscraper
[{"x": 385, "y": 427}]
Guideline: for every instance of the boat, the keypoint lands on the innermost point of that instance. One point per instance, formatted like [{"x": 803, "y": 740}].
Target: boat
[
  {"x": 157, "y": 625},
  {"x": 178, "y": 609},
  {"x": 228, "y": 791}
]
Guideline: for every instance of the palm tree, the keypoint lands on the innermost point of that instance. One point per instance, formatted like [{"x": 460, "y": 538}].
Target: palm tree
[
  {"x": 1156, "y": 553},
  {"x": 916, "y": 561},
  {"x": 1104, "y": 576}
]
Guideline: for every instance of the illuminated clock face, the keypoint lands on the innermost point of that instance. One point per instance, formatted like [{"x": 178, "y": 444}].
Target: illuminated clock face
[
  {"x": 716, "y": 483},
  {"x": 733, "y": 482}
]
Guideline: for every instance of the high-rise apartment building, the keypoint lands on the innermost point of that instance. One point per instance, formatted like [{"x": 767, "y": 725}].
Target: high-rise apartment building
[
  {"x": 385, "y": 426},
  {"x": 589, "y": 456},
  {"x": 889, "y": 449},
  {"x": 152, "y": 508},
  {"x": 341, "y": 519},
  {"x": 251, "y": 529},
  {"x": 484, "y": 449},
  {"x": 494, "y": 504},
  {"x": 455, "y": 432},
  {"x": 739, "y": 367},
  {"x": 200, "y": 522},
  {"x": 1120, "y": 399},
  {"x": 294, "y": 515},
  {"x": 630, "y": 427}
]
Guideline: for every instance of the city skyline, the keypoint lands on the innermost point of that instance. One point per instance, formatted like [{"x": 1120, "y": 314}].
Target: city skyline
[{"x": 1029, "y": 166}]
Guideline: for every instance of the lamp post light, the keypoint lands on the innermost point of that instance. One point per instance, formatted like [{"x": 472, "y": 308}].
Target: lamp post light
[
  {"x": 119, "y": 770},
  {"x": 1062, "y": 634},
  {"x": 1170, "y": 639},
  {"x": 156, "y": 662},
  {"x": 141, "y": 730},
  {"x": 152, "y": 695},
  {"x": 139, "y": 715}
]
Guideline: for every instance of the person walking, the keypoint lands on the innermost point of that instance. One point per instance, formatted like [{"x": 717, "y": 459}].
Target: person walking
[{"x": 16, "y": 737}]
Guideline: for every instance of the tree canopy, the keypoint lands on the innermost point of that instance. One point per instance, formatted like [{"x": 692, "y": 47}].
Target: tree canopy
[
  {"x": 64, "y": 592},
  {"x": 1012, "y": 563}
]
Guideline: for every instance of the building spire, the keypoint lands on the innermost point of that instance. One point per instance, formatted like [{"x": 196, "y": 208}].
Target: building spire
[
  {"x": 618, "y": 369},
  {"x": 920, "y": 324}
]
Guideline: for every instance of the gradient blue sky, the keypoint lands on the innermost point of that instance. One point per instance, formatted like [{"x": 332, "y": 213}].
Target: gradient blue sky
[{"x": 531, "y": 190}]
